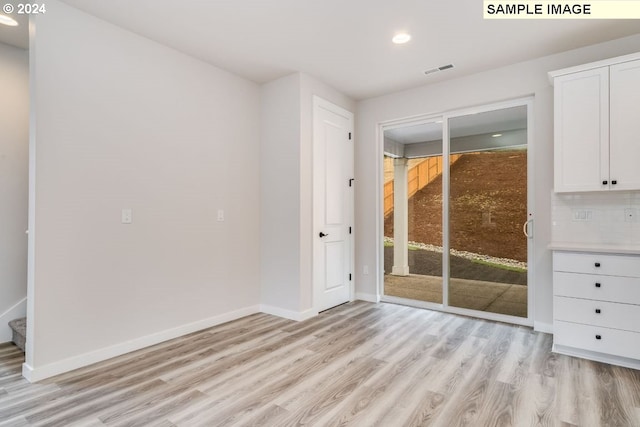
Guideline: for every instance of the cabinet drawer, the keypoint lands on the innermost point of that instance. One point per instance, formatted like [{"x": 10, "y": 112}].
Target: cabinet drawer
[
  {"x": 607, "y": 265},
  {"x": 591, "y": 286},
  {"x": 612, "y": 341},
  {"x": 597, "y": 313}
]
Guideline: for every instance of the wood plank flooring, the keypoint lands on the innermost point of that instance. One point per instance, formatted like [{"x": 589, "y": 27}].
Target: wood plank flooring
[{"x": 359, "y": 364}]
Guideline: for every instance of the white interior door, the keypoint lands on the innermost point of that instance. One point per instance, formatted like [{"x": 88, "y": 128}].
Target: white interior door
[{"x": 333, "y": 187}]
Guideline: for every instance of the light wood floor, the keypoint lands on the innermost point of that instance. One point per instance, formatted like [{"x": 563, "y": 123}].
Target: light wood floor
[{"x": 359, "y": 364}]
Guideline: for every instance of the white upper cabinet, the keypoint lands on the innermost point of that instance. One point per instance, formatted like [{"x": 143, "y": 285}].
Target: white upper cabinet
[
  {"x": 581, "y": 130},
  {"x": 597, "y": 126},
  {"x": 624, "y": 118}
]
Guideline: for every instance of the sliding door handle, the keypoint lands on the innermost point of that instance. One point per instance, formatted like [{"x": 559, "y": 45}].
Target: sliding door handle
[{"x": 525, "y": 228}]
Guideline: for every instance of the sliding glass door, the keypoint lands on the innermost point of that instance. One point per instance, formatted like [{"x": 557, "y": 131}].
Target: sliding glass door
[
  {"x": 455, "y": 212},
  {"x": 487, "y": 210}
]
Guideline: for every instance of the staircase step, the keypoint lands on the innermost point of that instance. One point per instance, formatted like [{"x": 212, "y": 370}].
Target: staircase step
[{"x": 19, "y": 328}]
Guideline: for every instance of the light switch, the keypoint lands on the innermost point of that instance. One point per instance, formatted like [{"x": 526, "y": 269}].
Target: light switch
[
  {"x": 127, "y": 216},
  {"x": 220, "y": 215}
]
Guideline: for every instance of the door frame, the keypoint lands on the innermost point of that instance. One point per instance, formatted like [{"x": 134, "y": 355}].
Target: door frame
[
  {"x": 319, "y": 102},
  {"x": 445, "y": 117}
]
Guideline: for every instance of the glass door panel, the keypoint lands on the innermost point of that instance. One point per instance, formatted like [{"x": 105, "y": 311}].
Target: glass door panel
[
  {"x": 413, "y": 255},
  {"x": 487, "y": 210}
]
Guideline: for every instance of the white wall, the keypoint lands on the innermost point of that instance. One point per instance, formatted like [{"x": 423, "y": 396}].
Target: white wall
[
  {"x": 279, "y": 195},
  {"x": 123, "y": 122},
  {"x": 14, "y": 163},
  {"x": 523, "y": 79},
  {"x": 286, "y": 175}
]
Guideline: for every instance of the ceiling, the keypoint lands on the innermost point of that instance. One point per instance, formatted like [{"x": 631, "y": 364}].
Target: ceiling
[
  {"x": 16, "y": 36},
  {"x": 347, "y": 44}
]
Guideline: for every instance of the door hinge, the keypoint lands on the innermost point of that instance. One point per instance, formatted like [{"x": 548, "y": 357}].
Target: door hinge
[
  {"x": 349, "y": 276},
  {"x": 351, "y": 181},
  {"x": 349, "y": 136},
  {"x": 349, "y": 230}
]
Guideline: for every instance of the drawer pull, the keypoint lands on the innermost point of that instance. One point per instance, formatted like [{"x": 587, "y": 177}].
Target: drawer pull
[
  {"x": 597, "y": 264},
  {"x": 598, "y": 285},
  {"x": 597, "y": 311},
  {"x": 598, "y": 337}
]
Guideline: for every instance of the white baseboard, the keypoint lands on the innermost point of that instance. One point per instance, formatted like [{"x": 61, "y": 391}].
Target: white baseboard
[
  {"x": 34, "y": 374},
  {"x": 17, "y": 311},
  {"x": 368, "y": 297},
  {"x": 547, "y": 328},
  {"x": 298, "y": 316}
]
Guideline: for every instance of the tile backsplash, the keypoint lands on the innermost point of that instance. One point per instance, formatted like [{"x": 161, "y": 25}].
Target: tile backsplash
[{"x": 611, "y": 218}]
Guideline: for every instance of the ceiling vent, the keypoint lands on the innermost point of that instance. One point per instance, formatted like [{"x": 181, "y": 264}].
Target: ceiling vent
[{"x": 441, "y": 68}]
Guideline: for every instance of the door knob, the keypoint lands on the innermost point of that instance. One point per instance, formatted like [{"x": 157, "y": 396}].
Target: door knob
[{"x": 322, "y": 234}]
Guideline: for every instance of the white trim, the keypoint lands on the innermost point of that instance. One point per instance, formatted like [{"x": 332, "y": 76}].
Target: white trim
[
  {"x": 40, "y": 373},
  {"x": 375, "y": 298},
  {"x": 598, "y": 357},
  {"x": 31, "y": 221},
  {"x": 412, "y": 303},
  {"x": 546, "y": 328},
  {"x": 446, "y": 219},
  {"x": 298, "y": 316},
  {"x": 531, "y": 212},
  {"x": 496, "y": 317},
  {"x": 17, "y": 311}
]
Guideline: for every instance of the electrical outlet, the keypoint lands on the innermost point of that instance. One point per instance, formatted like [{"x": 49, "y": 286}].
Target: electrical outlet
[
  {"x": 365, "y": 270},
  {"x": 127, "y": 216},
  {"x": 220, "y": 215},
  {"x": 630, "y": 215},
  {"x": 582, "y": 215}
]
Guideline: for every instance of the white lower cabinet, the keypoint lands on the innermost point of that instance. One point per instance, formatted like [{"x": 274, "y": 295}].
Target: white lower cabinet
[
  {"x": 596, "y": 306},
  {"x": 606, "y": 341}
]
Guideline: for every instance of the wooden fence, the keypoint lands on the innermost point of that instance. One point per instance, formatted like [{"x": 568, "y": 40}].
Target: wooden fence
[{"x": 419, "y": 176}]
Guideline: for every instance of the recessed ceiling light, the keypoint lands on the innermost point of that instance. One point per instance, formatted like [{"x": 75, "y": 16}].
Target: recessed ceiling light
[
  {"x": 496, "y": 135},
  {"x": 6, "y": 20},
  {"x": 401, "y": 38}
]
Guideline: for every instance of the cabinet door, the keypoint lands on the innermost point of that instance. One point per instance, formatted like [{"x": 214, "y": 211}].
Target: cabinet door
[
  {"x": 624, "y": 137},
  {"x": 581, "y": 131}
]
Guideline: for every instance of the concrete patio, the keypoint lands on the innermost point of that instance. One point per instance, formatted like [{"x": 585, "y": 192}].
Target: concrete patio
[{"x": 479, "y": 295}]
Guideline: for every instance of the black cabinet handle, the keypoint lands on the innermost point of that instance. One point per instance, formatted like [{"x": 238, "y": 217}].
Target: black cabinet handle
[
  {"x": 605, "y": 182},
  {"x": 598, "y": 337},
  {"x": 598, "y": 285},
  {"x": 597, "y": 264},
  {"x": 597, "y": 311},
  {"x": 614, "y": 182}
]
